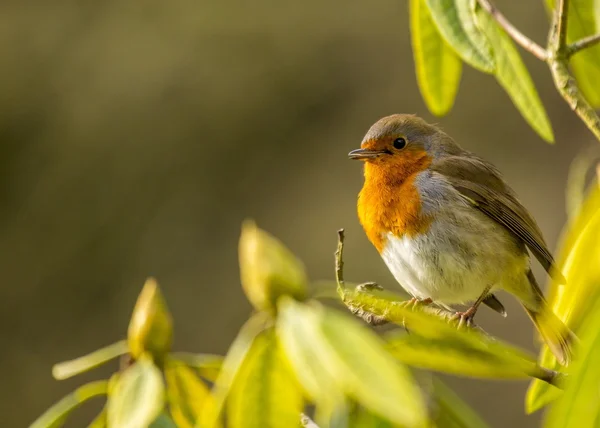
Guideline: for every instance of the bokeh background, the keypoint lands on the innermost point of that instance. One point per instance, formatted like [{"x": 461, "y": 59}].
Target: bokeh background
[{"x": 136, "y": 136}]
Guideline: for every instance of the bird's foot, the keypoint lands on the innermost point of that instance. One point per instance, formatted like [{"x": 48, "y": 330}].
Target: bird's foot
[
  {"x": 368, "y": 286},
  {"x": 415, "y": 302},
  {"x": 465, "y": 318}
]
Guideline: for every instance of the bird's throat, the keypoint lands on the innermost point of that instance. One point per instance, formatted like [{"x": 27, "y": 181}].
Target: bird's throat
[{"x": 391, "y": 203}]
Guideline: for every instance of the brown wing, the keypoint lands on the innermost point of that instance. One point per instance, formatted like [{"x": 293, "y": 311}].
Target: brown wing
[{"x": 481, "y": 185}]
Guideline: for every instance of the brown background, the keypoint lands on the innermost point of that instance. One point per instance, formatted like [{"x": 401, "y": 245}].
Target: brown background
[{"x": 136, "y": 136}]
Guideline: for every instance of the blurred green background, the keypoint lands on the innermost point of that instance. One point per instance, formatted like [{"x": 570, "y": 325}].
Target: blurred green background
[{"x": 136, "y": 136}]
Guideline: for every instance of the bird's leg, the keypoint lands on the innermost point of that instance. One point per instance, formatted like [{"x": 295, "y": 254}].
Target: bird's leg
[{"x": 467, "y": 316}]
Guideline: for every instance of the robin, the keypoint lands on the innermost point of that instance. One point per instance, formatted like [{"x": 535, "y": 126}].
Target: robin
[{"x": 448, "y": 226}]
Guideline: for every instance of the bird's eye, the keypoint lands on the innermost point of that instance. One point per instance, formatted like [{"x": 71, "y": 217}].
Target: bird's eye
[{"x": 399, "y": 143}]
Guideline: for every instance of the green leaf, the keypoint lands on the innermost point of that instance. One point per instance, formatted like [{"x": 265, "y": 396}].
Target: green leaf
[
  {"x": 513, "y": 76},
  {"x": 362, "y": 418},
  {"x": 456, "y": 23},
  {"x": 163, "y": 421},
  {"x": 578, "y": 408},
  {"x": 268, "y": 269},
  {"x": 208, "y": 365},
  {"x": 83, "y": 364},
  {"x": 438, "y": 68},
  {"x": 463, "y": 352},
  {"x": 303, "y": 350},
  {"x": 232, "y": 363},
  {"x": 187, "y": 396},
  {"x": 579, "y": 261},
  {"x": 100, "y": 420},
  {"x": 264, "y": 392},
  {"x": 151, "y": 326},
  {"x": 357, "y": 362},
  {"x": 56, "y": 415},
  {"x": 451, "y": 411},
  {"x": 138, "y": 396}
]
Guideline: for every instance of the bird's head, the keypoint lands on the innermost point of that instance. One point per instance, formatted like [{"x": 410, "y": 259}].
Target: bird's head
[{"x": 403, "y": 143}]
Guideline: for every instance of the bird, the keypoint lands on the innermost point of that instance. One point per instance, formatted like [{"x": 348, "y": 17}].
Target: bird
[{"x": 449, "y": 227}]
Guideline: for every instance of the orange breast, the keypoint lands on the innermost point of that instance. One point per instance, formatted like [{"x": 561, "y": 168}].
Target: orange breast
[{"x": 390, "y": 204}]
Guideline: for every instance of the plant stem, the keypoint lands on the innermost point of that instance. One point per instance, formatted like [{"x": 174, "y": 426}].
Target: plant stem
[
  {"x": 520, "y": 38},
  {"x": 339, "y": 264},
  {"x": 584, "y": 43},
  {"x": 559, "y": 67},
  {"x": 562, "y": 18},
  {"x": 376, "y": 310},
  {"x": 556, "y": 55}
]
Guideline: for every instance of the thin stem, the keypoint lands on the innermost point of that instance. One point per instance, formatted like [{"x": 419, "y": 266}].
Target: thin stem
[
  {"x": 562, "y": 15},
  {"x": 520, "y": 38},
  {"x": 586, "y": 42},
  {"x": 564, "y": 81},
  {"x": 376, "y": 310},
  {"x": 339, "y": 264},
  {"x": 307, "y": 422}
]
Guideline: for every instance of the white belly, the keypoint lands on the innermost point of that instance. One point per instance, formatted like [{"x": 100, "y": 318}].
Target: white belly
[{"x": 452, "y": 266}]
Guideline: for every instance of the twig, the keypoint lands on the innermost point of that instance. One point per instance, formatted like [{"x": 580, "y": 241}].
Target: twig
[
  {"x": 556, "y": 55},
  {"x": 586, "y": 42},
  {"x": 520, "y": 38},
  {"x": 559, "y": 67},
  {"x": 372, "y": 309},
  {"x": 339, "y": 263},
  {"x": 562, "y": 18},
  {"x": 307, "y": 422},
  {"x": 376, "y": 310}
]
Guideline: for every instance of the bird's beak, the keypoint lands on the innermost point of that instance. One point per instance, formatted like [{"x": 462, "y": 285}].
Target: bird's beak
[{"x": 361, "y": 154}]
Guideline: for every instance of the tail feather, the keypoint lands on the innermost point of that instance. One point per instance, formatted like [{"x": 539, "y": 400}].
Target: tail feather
[{"x": 555, "y": 333}]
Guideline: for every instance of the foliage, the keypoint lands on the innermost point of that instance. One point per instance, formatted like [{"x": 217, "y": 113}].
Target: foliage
[{"x": 295, "y": 354}]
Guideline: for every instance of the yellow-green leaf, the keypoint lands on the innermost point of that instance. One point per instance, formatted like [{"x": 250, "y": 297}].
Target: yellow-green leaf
[
  {"x": 187, "y": 396},
  {"x": 579, "y": 406},
  {"x": 163, "y": 421},
  {"x": 450, "y": 411},
  {"x": 268, "y": 269},
  {"x": 264, "y": 392},
  {"x": 56, "y": 415},
  {"x": 362, "y": 418},
  {"x": 456, "y": 23},
  {"x": 100, "y": 420},
  {"x": 358, "y": 362},
  {"x": 138, "y": 396},
  {"x": 461, "y": 352},
  {"x": 231, "y": 365},
  {"x": 305, "y": 348},
  {"x": 437, "y": 66},
  {"x": 208, "y": 365},
  {"x": 87, "y": 362},
  {"x": 513, "y": 76},
  {"x": 151, "y": 326},
  {"x": 579, "y": 261}
]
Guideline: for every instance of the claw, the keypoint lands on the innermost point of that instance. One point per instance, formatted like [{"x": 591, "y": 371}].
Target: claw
[
  {"x": 465, "y": 318},
  {"x": 368, "y": 286}
]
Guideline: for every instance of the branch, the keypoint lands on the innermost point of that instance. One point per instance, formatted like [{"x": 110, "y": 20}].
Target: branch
[
  {"x": 307, "y": 422},
  {"x": 586, "y": 42},
  {"x": 520, "y": 38},
  {"x": 559, "y": 67},
  {"x": 557, "y": 57},
  {"x": 376, "y": 310},
  {"x": 562, "y": 17}
]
